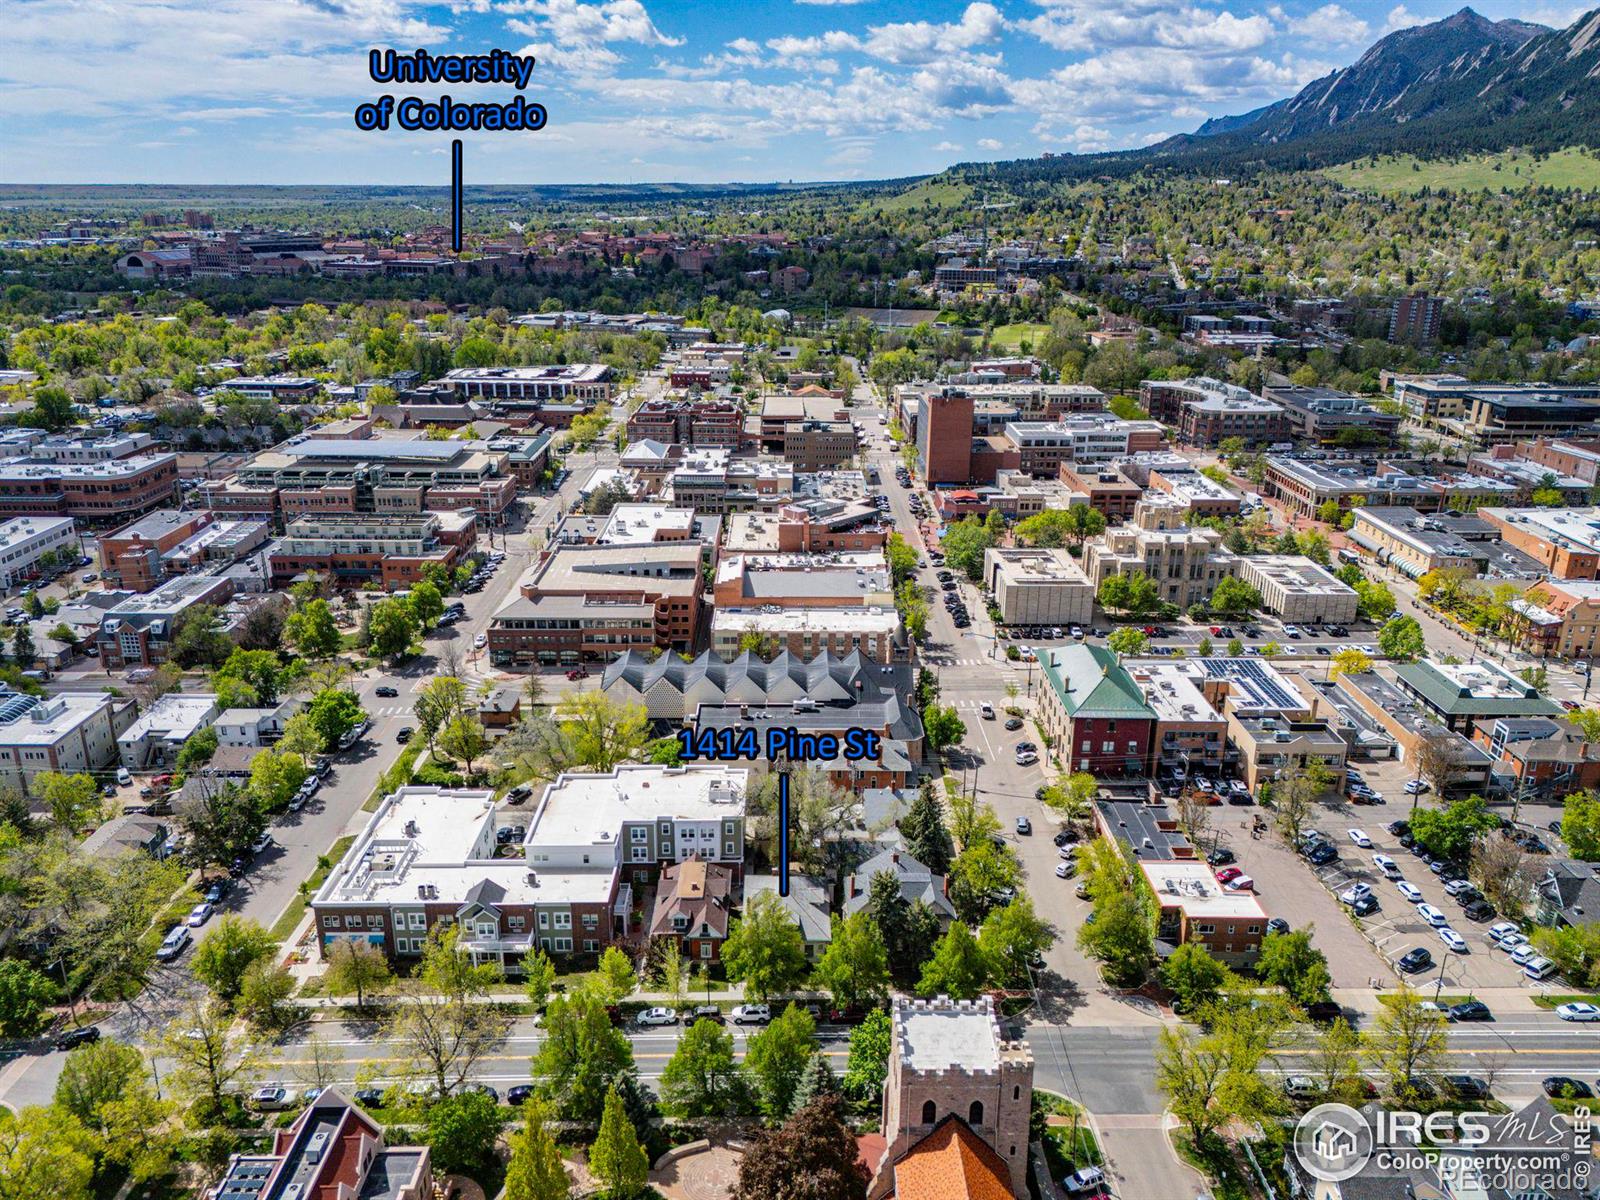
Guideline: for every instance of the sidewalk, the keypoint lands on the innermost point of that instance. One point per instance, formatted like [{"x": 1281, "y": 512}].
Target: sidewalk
[{"x": 1365, "y": 1002}]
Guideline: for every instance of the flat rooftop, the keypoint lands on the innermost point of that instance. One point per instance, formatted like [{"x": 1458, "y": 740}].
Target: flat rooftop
[
  {"x": 1169, "y": 689},
  {"x": 944, "y": 1035},
  {"x": 1298, "y": 575},
  {"x": 1570, "y": 528},
  {"x": 581, "y": 809},
  {"x": 20, "y": 529},
  {"x": 1253, "y": 684},
  {"x": 569, "y": 373},
  {"x": 1192, "y": 887},
  {"x": 1039, "y": 566},
  {"x": 805, "y": 620}
]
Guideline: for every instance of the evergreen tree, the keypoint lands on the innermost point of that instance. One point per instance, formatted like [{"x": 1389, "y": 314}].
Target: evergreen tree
[
  {"x": 616, "y": 1158},
  {"x": 924, "y": 833},
  {"x": 816, "y": 1081}
]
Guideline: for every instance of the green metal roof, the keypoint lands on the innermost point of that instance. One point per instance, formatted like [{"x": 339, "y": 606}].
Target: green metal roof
[
  {"x": 1436, "y": 689},
  {"x": 1090, "y": 682}
]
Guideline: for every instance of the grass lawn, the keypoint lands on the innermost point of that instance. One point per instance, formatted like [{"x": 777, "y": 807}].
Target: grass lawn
[
  {"x": 1509, "y": 170},
  {"x": 1011, "y": 337},
  {"x": 1445, "y": 1000},
  {"x": 1218, "y": 1163},
  {"x": 1561, "y": 998},
  {"x": 1066, "y": 1148},
  {"x": 297, "y": 907}
]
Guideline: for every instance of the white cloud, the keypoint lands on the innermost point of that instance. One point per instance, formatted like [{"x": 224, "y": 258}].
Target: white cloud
[
  {"x": 1401, "y": 17},
  {"x": 1332, "y": 24},
  {"x": 571, "y": 21},
  {"x": 948, "y": 147},
  {"x": 990, "y": 144},
  {"x": 925, "y": 41},
  {"x": 1160, "y": 23}
]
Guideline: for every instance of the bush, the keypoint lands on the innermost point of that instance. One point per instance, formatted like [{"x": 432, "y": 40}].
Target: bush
[{"x": 1013, "y": 654}]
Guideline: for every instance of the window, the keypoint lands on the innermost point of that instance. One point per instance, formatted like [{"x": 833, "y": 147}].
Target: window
[
  {"x": 374, "y": 921},
  {"x": 516, "y": 923},
  {"x": 419, "y": 921},
  {"x": 544, "y": 920},
  {"x": 727, "y": 849},
  {"x": 590, "y": 921},
  {"x": 590, "y": 945},
  {"x": 975, "y": 1113},
  {"x": 1016, "y": 1094},
  {"x": 638, "y": 833},
  {"x": 1108, "y": 747},
  {"x": 929, "y": 1112},
  {"x": 641, "y": 854},
  {"x": 563, "y": 943},
  {"x": 666, "y": 829},
  {"x": 330, "y": 922},
  {"x": 563, "y": 920},
  {"x": 1204, "y": 927},
  {"x": 705, "y": 949},
  {"x": 352, "y": 922}
]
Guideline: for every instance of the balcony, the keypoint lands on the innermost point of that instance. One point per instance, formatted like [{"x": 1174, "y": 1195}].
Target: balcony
[{"x": 514, "y": 944}]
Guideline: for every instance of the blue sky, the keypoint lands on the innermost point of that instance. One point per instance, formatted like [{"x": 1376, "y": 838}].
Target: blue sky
[{"x": 261, "y": 91}]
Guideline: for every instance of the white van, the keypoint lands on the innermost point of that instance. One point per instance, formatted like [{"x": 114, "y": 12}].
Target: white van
[{"x": 123, "y": 777}]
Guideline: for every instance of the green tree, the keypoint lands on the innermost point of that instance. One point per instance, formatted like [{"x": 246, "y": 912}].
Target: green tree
[
  {"x": 1401, "y": 640},
  {"x": 427, "y": 605},
  {"x": 958, "y": 967},
  {"x": 1193, "y": 977},
  {"x": 615, "y": 976},
  {"x": 72, "y": 801},
  {"x": 1349, "y": 661},
  {"x": 1291, "y": 962},
  {"x": 816, "y": 1081},
  {"x": 964, "y": 546},
  {"x": 1012, "y": 939},
  {"x": 97, "y": 1074},
  {"x": 764, "y": 948},
  {"x": 924, "y": 833},
  {"x": 1408, "y": 1043},
  {"x": 52, "y": 410},
  {"x": 1128, "y": 641},
  {"x": 198, "y": 750},
  {"x": 868, "y": 1063},
  {"x": 583, "y": 1055},
  {"x": 232, "y": 946},
  {"x": 275, "y": 777},
  {"x": 601, "y": 730},
  {"x": 1580, "y": 825},
  {"x": 334, "y": 713},
  {"x": 902, "y": 558},
  {"x": 44, "y": 1155},
  {"x": 198, "y": 639},
  {"x": 312, "y": 630},
  {"x": 261, "y": 670},
  {"x": 536, "y": 1171},
  {"x": 855, "y": 967},
  {"x": 943, "y": 726},
  {"x": 23, "y": 651},
  {"x": 264, "y": 995},
  {"x": 701, "y": 1079},
  {"x": 980, "y": 876},
  {"x": 355, "y": 966},
  {"x": 617, "y": 1159},
  {"x": 25, "y": 993},
  {"x": 461, "y": 1131},
  {"x": 776, "y": 1058},
  {"x": 1235, "y": 598},
  {"x": 1450, "y": 831},
  {"x": 391, "y": 628},
  {"x": 1121, "y": 937},
  {"x": 463, "y": 739},
  {"x": 538, "y": 977},
  {"x": 441, "y": 700}
]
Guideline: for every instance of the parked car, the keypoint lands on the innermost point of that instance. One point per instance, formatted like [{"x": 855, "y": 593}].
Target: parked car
[
  {"x": 386, "y": 690},
  {"x": 271, "y": 1098},
  {"x": 1413, "y": 961},
  {"x": 1220, "y": 857},
  {"x": 1360, "y": 838},
  {"x": 706, "y": 1012},
  {"x": 1453, "y": 940},
  {"x": 1087, "y": 1179},
  {"x": 1466, "y": 1087},
  {"x": 1578, "y": 1012},
  {"x": 750, "y": 1014},
  {"x": 198, "y": 915},
  {"x": 1566, "y": 1087},
  {"x": 519, "y": 1094},
  {"x": 1432, "y": 915},
  {"x": 1324, "y": 1011},
  {"x": 77, "y": 1037},
  {"x": 1478, "y": 910},
  {"x": 656, "y": 1016},
  {"x": 404, "y": 734},
  {"x": 177, "y": 939}
]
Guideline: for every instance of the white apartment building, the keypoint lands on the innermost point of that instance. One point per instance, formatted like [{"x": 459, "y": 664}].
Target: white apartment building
[
  {"x": 25, "y": 540},
  {"x": 73, "y": 732}
]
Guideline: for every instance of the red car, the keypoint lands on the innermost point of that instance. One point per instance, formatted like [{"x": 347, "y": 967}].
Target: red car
[
  {"x": 1227, "y": 874},
  {"x": 578, "y": 673}
]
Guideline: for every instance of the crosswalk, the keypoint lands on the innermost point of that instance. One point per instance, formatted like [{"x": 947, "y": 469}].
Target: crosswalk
[{"x": 390, "y": 710}]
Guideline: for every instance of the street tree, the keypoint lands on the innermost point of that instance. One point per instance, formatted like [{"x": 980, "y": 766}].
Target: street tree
[
  {"x": 776, "y": 1058},
  {"x": 764, "y": 948},
  {"x": 1504, "y": 872},
  {"x": 97, "y": 1074},
  {"x": 227, "y": 952},
  {"x": 1128, "y": 641},
  {"x": 465, "y": 740},
  {"x": 538, "y": 978},
  {"x": 207, "y": 1053},
  {"x": 924, "y": 834},
  {"x": 1407, "y": 1044},
  {"x": 355, "y": 966},
  {"x": 44, "y": 1155},
  {"x": 1334, "y": 1060},
  {"x": 615, "y": 975},
  {"x": 334, "y": 713},
  {"x": 855, "y": 967},
  {"x": 275, "y": 777},
  {"x": 441, "y": 700},
  {"x": 391, "y": 628},
  {"x": 1580, "y": 823},
  {"x": 1451, "y": 831},
  {"x": 221, "y": 820},
  {"x": 701, "y": 1078},
  {"x": 1193, "y": 977},
  {"x": 1290, "y": 961},
  {"x": 943, "y": 726},
  {"x": 25, "y": 993},
  {"x": 980, "y": 875},
  {"x": 72, "y": 801},
  {"x": 1401, "y": 640},
  {"x": 441, "y": 1042},
  {"x": 461, "y": 1133},
  {"x": 312, "y": 630},
  {"x": 582, "y": 1057},
  {"x": 427, "y": 605}
]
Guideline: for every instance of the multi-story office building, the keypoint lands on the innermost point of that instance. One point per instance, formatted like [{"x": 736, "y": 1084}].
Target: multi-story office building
[
  {"x": 170, "y": 542},
  {"x": 588, "y": 383},
  {"x": 1194, "y": 907},
  {"x": 712, "y": 481},
  {"x": 1416, "y": 318},
  {"x": 1094, "y": 712},
  {"x": 1305, "y": 486},
  {"x": 1038, "y": 587},
  {"x": 382, "y": 476},
  {"x": 1207, "y": 411},
  {"x": 1298, "y": 590},
  {"x": 1434, "y": 399},
  {"x": 96, "y": 493},
  {"x": 1565, "y": 540},
  {"x": 689, "y": 423},
  {"x": 591, "y": 602},
  {"x": 1322, "y": 415},
  {"x": 1417, "y": 543},
  {"x": 428, "y": 855},
  {"x": 1275, "y": 748},
  {"x": 819, "y": 445},
  {"x": 873, "y": 632},
  {"x": 353, "y": 549},
  {"x": 944, "y": 437},
  {"x": 285, "y": 389},
  {"x": 1102, "y": 488},
  {"x": 1043, "y": 446},
  {"x": 832, "y": 579},
  {"x": 1186, "y": 562},
  {"x": 26, "y": 540},
  {"x": 1191, "y": 737}
]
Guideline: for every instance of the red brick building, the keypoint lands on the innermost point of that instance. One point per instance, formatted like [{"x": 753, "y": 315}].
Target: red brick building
[{"x": 691, "y": 910}]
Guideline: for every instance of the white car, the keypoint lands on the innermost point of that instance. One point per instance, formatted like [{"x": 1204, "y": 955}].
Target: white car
[
  {"x": 1416, "y": 787},
  {"x": 1512, "y": 942},
  {"x": 1355, "y": 893},
  {"x": 1360, "y": 838},
  {"x": 657, "y": 1016},
  {"x": 479, "y": 642},
  {"x": 1064, "y": 870},
  {"x": 1432, "y": 916},
  {"x": 754, "y": 1014},
  {"x": 1499, "y": 930},
  {"x": 1387, "y": 865},
  {"x": 1409, "y": 890},
  {"x": 1241, "y": 883},
  {"x": 1026, "y": 758},
  {"x": 1578, "y": 1012},
  {"x": 1524, "y": 954},
  {"x": 1453, "y": 940},
  {"x": 198, "y": 915}
]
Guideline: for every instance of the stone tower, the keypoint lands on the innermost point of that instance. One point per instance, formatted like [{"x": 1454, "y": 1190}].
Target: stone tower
[{"x": 952, "y": 1057}]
